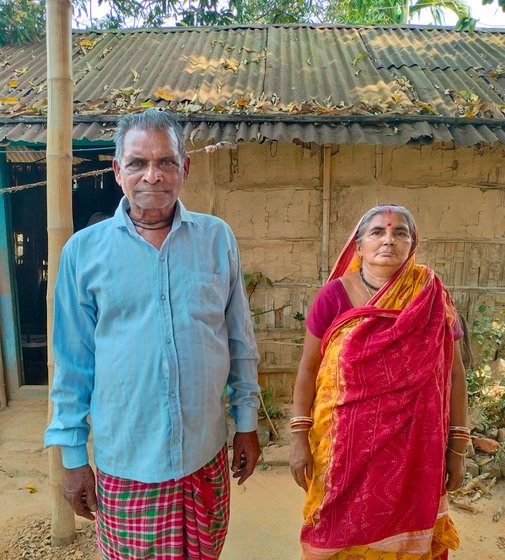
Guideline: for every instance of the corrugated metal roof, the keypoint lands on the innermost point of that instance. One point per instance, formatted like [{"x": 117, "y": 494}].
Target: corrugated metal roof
[{"x": 323, "y": 84}]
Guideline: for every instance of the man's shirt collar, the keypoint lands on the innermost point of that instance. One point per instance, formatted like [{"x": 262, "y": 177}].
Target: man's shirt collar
[{"x": 122, "y": 219}]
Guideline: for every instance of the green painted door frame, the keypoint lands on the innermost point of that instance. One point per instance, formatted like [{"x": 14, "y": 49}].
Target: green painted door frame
[{"x": 10, "y": 338}]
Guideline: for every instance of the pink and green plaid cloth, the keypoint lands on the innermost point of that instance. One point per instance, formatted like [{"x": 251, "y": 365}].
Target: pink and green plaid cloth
[{"x": 184, "y": 519}]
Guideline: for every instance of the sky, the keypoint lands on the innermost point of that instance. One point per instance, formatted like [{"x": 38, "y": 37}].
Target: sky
[{"x": 489, "y": 16}]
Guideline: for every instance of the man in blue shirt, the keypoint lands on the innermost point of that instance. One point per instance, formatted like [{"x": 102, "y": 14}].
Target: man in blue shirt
[{"x": 151, "y": 324}]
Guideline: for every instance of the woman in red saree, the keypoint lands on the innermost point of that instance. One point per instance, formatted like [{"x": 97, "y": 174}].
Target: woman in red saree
[{"x": 379, "y": 406}]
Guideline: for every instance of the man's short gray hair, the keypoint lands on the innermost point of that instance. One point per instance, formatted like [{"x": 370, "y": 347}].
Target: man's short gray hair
[
  {"x": 385, "y": 209},
  {"x": 152, "y": 119}
]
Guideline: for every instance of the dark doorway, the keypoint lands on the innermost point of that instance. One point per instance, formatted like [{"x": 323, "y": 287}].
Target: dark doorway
[{"x": 29, "y": 222}]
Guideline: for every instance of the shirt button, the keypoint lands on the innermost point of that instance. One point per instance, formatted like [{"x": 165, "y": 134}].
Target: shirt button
[
  {"x": 177, "y": 440},
  {"x": 172, "y": 394},
  {"x": 162, "y": 259},
  {"x": 163, "y": 297},
  {"x": 168, "y": 340}
]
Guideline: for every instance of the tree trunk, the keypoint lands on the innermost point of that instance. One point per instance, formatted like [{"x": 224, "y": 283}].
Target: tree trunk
[{"x": 59, "y": 216}]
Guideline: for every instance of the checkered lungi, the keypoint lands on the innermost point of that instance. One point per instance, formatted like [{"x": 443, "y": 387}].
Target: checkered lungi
[{"x": 177, "y": 520}]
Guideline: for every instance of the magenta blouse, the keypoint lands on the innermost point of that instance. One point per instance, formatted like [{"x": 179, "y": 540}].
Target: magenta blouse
[{"x": 331, "y": 301}]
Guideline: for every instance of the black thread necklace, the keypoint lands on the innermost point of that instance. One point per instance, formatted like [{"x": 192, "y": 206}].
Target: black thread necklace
[
  {"x": 143, "y": 226},
  {"x": 367, "y": 284}
]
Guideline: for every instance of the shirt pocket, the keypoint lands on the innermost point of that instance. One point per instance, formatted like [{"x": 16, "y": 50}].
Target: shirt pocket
[{"x": 206, "y": 298}]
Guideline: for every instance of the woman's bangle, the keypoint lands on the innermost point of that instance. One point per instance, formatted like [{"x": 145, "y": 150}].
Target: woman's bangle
[
  {"x": 296, "y": 430},
  {"x": 304, "y": 419},
  {"x": 459, "y": 429},
  {"x": 457, "y": 452}
]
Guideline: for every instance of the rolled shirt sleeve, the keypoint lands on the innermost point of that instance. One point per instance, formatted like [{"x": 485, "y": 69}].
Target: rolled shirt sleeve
[
  {"x": 73, "y": 346},
  {"x": 243, "y": 387}
]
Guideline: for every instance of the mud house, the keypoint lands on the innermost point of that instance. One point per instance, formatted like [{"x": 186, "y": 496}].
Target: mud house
[{"x": 313, "y": 125}]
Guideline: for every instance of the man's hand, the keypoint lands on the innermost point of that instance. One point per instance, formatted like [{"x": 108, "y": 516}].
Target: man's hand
[
  {"x": 79, "y": 491},
  {"x": 246, "y": 452}
]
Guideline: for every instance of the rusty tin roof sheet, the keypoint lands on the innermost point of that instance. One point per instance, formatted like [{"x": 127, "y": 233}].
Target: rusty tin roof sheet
[{"x": 323, "y": 84}]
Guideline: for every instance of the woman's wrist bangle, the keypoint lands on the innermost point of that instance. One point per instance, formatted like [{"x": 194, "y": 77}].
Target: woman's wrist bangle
[
  {"x": 459, "y": 429},
  {"x": 297, "y": 430},
  {"x": 296, "y": 419},
  {"x": 457, "y": 452}
]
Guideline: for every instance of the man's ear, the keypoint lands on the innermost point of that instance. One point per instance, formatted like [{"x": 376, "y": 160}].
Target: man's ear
[
  {"x": 186, "y": 166},
  {"x": 117, "y": 171}
]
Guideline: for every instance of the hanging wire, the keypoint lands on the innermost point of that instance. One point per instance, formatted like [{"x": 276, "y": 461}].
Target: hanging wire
[{"x": 207, "y": 149}]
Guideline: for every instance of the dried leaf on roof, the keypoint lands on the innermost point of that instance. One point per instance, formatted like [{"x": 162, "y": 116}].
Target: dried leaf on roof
[
  {"x": 257, "y": 57},
  {"x": 189, "y": 107},
  {"x": 164, "y": 93},
  {"x": 135, "y": 75},
  {"x": 496, "y": 73},
  {"x": 87, "y": 44},
  {"x": 230, "y": 65},
  {"x": 38, "y": 88},
  {"x": 5, "y": 61},
  {"x": 9, "y": 100},
  {"x": 20, "y": 71},
  {"x": 12, "y": 84},
  {"x": 123, "y": 98},
  {"x": 358, "y": 57},
  {"x": 94, "y": 103},
  {"x": 426, "y": 108}
]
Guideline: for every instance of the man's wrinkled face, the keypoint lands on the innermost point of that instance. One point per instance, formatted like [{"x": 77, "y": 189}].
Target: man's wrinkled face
[{"x": 151, "y": 171}]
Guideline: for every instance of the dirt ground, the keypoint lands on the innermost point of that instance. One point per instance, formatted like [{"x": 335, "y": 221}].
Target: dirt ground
[{"x": 266, "y": 511}]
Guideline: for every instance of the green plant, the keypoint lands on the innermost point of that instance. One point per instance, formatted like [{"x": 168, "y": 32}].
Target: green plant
[
  {"x": 488, "y": 331},
  {"x": 271, "y": 407},
  {"x": 478, "y": 379},
  {"x": 299, "y": 317},
  {"x": 487, "y": 404},
  {"x": 252, "y": 281}
]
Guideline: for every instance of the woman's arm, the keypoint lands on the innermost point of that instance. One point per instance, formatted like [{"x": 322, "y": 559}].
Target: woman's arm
[
  {"x": 300, "y": 459},
  {"x": 455, "y": 464}
]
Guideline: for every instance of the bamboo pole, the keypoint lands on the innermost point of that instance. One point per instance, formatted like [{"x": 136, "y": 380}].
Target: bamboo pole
[
  {"x": 325, "y": 238},
  {"x": 59, "y": 216}
]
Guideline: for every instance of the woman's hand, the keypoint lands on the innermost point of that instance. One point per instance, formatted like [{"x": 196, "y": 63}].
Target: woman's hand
[
  {"x": 300, "y": 459},
  {"x": 455, "y": 470}
]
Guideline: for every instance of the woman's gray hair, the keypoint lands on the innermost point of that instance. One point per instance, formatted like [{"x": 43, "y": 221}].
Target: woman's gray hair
[
  {"x": 384, "y": 209},
  {"x": 152, "y": 119}
]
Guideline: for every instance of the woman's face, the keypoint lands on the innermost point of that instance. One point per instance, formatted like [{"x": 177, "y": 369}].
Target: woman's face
[{"x": 386, "y": 242}]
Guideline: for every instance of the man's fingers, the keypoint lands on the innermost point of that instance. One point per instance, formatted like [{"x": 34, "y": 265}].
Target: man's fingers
[
  {"x": 244, "y": 471},
  {"x": 91, "y": 499},
  {"x": 79, "y": 491},
  {"x": 239, "y": 461}
]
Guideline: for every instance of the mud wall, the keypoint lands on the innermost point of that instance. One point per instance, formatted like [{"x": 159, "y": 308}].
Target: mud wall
[{"x": 272, "y": 195}]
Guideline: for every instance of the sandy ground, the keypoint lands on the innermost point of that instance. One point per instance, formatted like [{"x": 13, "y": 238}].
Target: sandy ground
[{"x": 266, "y": 511}]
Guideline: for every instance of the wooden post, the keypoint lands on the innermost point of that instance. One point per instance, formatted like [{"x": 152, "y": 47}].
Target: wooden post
[
  {"x": 59, "y": 216},
  {"x": 325, "y": 238}
]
